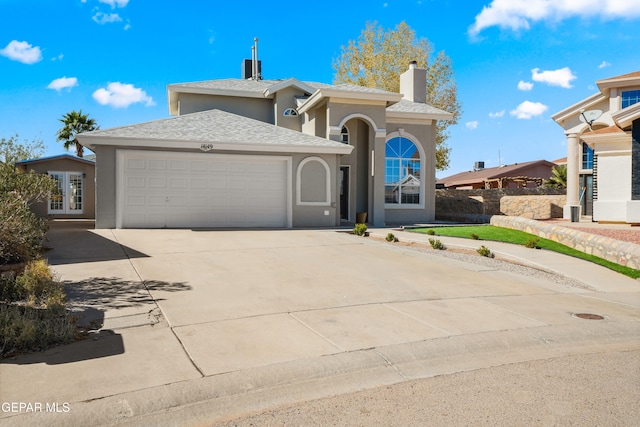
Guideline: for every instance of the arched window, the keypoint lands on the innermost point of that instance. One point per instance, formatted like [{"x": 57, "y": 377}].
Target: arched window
[
  {"x": 402, "y": 181},
  {"x": 290, "y": 112},
  {"x": 344, "y": 135}
]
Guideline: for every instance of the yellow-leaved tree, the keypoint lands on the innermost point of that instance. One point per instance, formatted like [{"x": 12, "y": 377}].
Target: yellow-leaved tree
[{"x": 378, "y": 58}]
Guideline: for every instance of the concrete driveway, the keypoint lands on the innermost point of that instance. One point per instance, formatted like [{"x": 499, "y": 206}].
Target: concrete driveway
[{"x": 189, "y": 316}]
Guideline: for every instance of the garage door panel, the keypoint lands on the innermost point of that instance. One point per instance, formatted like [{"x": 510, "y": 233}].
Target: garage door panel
[{"x": 179, "y": 190}]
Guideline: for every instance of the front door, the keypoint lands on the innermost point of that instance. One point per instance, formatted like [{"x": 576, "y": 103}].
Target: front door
[
  {"x": 69, "y": 196},
  {"x": 344, "y": 193}
]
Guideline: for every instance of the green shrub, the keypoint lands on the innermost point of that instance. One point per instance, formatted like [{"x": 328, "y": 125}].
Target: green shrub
[
  {"x": 360, "y": 229},
  {"x": 391, "y": 238},
  {"x": 24, "y": 328},
  {"x": 474, "y": 236},
  {"x": 484, "y": 251},
  {"x": 436, "y": 244},
  {"x": 532, "y": 243},
  {"x": 38, "y": 286},
  {"x": 431, "y": 232}
]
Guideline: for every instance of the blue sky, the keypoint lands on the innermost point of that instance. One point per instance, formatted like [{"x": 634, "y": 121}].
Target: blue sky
[{"x": 516, "y": 62}]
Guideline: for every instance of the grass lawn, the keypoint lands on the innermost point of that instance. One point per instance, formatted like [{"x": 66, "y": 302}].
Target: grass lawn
[{"x": 500, "y": 234}]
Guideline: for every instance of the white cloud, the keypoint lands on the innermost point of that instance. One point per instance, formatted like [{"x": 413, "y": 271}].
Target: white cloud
[
  {"x": 528, "y": 109},
  {"x": 525, "y": 85},
  {"x": 62, "y": 83},
  {"x": 104, "y": 18},
  {"x": 561, "y": 77},
  {"x": 121, "y": 95},
  {"x": 519, "y": 14},
  {"x": 604, "y": 64},
  {"x": 115, "y": 3},
  {"x": 58, "y": 58},
  {"x": 472, "y": 125},
  {"x": 496, "y": 114},
  {"x": 22, "y": 52}
]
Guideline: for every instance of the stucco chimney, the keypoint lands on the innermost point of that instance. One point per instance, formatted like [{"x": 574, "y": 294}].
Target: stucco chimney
[{"x": 413, "y": 83}]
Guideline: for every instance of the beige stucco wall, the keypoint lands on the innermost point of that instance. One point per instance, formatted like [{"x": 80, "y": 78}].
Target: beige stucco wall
[
  {"x": 286, "y": 98},
  {"x": 105, "y": 187},
  {"x": 68, "y": 165},
  {"x": 254, "y": 108}
]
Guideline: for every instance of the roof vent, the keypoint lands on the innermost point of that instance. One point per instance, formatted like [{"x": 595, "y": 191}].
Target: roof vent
[
  {"x": 252, "y": 68},
  {"x": 478, "y": 166}
]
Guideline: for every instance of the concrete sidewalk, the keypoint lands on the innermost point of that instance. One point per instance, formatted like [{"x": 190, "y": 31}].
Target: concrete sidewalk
[{"x": 194, "y": 326}]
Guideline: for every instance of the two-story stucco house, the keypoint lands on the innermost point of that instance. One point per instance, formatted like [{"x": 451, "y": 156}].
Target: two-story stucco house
[
  {"x": 272, "y": 153},
  {"x": 603, "y": 151}
]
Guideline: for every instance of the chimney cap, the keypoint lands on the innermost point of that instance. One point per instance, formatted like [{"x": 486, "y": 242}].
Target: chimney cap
[{"x": 413, "y": 64}]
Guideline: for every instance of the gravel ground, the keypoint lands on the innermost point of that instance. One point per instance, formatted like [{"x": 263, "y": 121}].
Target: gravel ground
[
  {"x": 583, "y": 390},
  {"x": 495, "y": 263}
]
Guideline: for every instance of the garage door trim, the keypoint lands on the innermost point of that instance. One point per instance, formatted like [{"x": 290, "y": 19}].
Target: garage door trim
[{"x": 120, "y": 171}]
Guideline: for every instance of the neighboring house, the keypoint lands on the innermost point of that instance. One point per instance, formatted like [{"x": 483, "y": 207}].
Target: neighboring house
[
  {"x": 75, "y": 177},
  {"x": 603, "y": 151},
  {"x": 272, "y": 153},
  {"x": 517, "y": 175}
]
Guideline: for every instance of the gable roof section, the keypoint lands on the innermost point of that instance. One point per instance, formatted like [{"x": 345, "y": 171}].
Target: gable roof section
[
  {"x": 574, "y": 109},
  {"x": 630, "y": 79},
  {"x": 406, "y": 109},
  {"x": 349, "y": 91},
  {"x": 224, "y": 131},
  {"x": 470, "y": 177},
  {"x": 58, "y": 157},
  {"x": 626, "y": 116},
  {"x": 271, "y": 90}
]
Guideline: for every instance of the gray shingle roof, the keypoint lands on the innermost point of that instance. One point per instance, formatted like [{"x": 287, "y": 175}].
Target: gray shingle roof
[
  {"x": 214, "y": 126},
  {"x": 259, "y": 86},
  {"x": 405, "y": 106},
  {"x": 248, "y": 85}
]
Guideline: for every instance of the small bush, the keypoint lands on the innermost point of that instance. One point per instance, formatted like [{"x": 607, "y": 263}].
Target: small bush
[
  {"x": 484, "y": 251},
  {"x": 532, "y": 243},
  {"x": 38, "y": 286},
  {"x": 24, "y": 328},
  {"x": 474, "y": 236},
  {"x": 360, "y": 229},
  {"x": 436, "y": 244},
  {"x": 391, "y": 238},
  {"x": 431, "y": 232}
]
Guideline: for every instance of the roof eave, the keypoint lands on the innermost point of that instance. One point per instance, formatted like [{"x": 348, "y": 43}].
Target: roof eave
[
  {"x": 625, "y": 117},
  {"x": 93, "y": 141},
  {"x": 324, "y": 93},
  {"x": 563, "y": 115}
]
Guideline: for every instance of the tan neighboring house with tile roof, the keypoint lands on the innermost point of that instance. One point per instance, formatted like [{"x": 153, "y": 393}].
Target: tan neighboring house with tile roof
[
  {"x": 603, "y": 151},
  {"x": 272, "y": 153},
  {"x": 518, "y": 175}
]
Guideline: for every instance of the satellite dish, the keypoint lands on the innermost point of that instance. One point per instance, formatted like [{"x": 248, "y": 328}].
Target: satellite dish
[{"x": 590, "y": 116}]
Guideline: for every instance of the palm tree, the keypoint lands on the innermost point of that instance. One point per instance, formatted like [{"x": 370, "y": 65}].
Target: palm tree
[
  {"x": 559, "y": 177},
  {"x": 74, "y": 123}
]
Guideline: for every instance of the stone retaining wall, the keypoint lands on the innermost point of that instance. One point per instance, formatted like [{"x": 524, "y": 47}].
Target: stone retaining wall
[
  {"x": 478, "y": 206},
  {"x": 623, "y": 253},
  {"x": 533, "y": 207}
]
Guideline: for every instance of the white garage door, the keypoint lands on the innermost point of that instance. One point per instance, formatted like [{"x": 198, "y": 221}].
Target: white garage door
[{"x": 164, "y": 189}]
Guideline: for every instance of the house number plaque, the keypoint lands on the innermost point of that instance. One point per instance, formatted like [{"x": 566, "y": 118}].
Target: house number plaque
[{"x": 206, "y": 147}]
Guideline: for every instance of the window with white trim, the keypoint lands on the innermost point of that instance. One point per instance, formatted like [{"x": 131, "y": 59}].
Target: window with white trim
[
  {"x": 344, "y": 135},
  {"x": 68, "y": 199},
  {"x": 402, "y": 181}
]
